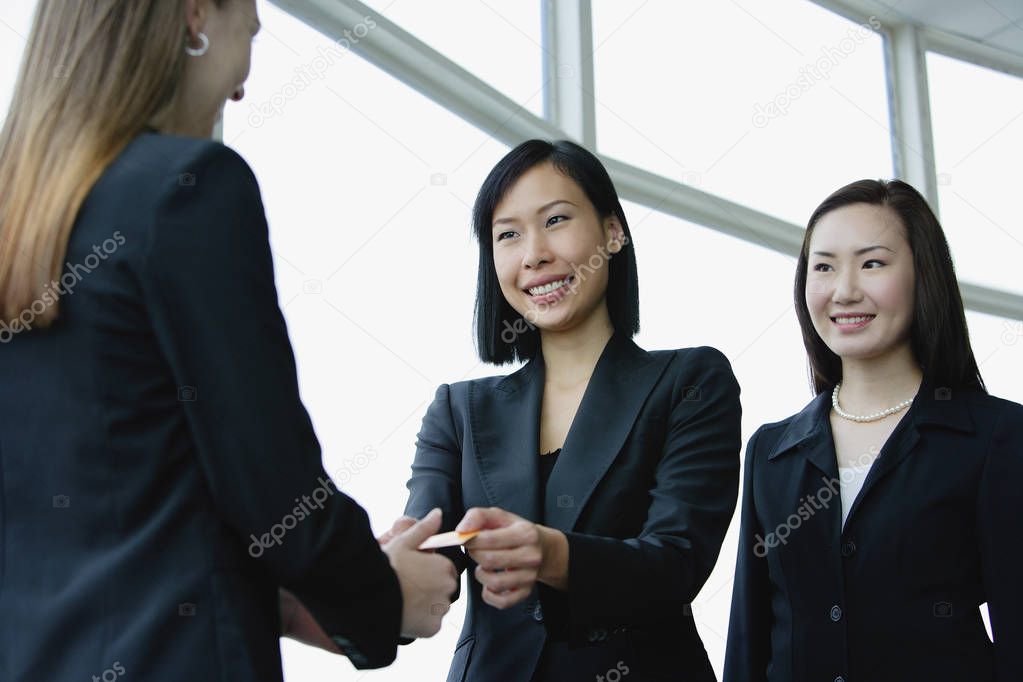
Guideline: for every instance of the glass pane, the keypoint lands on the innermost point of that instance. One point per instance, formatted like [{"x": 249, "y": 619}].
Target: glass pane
[
  {"x": 700, "y": 287},
  {"x": 504, "y": 46},
  {"x": 773, "y": 106},
  {"x": 977, "y": 118},
  {"x": 15, "y": 25},
  {"x": 998, "y": 346},
  {"x": 368, "y": 187}
]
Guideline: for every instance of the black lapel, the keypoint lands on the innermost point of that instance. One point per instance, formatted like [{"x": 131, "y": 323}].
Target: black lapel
[
  {"x": 505, "y": 423},
  {"x": 621, "y": 381},
  {"x": 932, "y": 406},
  {"x": 809, "y": 433}
]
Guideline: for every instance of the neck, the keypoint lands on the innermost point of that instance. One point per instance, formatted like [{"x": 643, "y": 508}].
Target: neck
[
  {"x": 172, "y": 121},
  {"x": 872, "y": 384},
  {"x": 570, "y": 356}
]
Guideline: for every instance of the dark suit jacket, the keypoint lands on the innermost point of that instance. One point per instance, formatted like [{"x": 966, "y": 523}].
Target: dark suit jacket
[
  {"x": 153, "y": 431},
  {"x": 644, "y": 489},
  {"x": 934, "y": 533}
]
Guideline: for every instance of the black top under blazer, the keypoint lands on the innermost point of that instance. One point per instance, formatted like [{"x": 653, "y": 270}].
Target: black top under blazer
[
  {"x": 153, "y": 438},
  {"x": 934, "y": 533},
  {"x": 644, "y": 489}
]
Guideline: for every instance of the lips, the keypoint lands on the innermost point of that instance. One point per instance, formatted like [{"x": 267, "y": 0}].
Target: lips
[
  {"x": 546, "y": 285},
  {"x": 551, "y": 291},
  {"x": 849, "y": 322}
]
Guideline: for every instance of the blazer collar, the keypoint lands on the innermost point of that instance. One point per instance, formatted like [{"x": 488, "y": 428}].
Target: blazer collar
[
  {"x": 809, "y": 432},
  {"x": 505, "y": 423},
  {"x": 933, "y": 405}
]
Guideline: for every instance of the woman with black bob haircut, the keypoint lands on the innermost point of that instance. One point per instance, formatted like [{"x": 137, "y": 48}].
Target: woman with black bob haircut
[
  {"x": 876, "y": 521},
  {"x": 600, "y": 477}
]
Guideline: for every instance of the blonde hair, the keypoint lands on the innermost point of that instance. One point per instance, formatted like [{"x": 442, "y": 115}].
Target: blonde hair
[{"x": 95, "y": 72}]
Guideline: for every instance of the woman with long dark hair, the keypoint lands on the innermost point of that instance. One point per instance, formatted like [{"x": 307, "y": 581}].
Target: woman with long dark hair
[
  {"x": 602, "y": 476},
  {"x": 164, "y": 512},
  {"x": 877, "y": 520}
]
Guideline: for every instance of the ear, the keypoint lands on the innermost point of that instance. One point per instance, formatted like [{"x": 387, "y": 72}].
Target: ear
[
  {"x": 196, "y": 12},
  {"x": 614, "y": 234}
]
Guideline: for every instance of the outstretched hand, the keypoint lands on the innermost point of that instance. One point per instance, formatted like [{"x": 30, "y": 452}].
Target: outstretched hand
[{"x": 512, "y": 554}]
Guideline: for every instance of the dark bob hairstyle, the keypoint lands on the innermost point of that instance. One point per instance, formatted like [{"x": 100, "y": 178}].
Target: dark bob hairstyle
[
  {"x": 502, "y": 334},
  {"x": 939, "y": 338}
]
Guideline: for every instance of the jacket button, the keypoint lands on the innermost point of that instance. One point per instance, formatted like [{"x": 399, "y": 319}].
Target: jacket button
[
  {"x": 848, "y": 548},
  {"x": 836, "y": 613},
  {"x": 538, "y": 613}
]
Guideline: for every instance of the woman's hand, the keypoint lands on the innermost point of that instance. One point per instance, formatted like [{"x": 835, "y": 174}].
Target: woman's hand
[
  {"x": 402, "y": 524},
  {"x": 512, "y": 554},
  {"x": 298, "y": 624}
]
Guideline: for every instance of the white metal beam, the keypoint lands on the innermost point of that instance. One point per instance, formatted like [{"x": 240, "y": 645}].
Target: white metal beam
[
  {"x": 419, "y": 66},
  {"x": 976, "y": 53},
  {"x": 424, "y": 69},
  {"x": 568, "y": 68},
  {"x": 910, "y": 110},
  {"x": 935, "y": 40}
]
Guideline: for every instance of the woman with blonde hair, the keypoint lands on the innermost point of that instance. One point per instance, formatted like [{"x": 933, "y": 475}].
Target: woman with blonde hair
[{"x": 164, "y": 510}]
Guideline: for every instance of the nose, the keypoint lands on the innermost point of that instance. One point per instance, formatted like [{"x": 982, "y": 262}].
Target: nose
[
  {"x": 847, "y": 288},
  {"x": 536, "y": 252}
]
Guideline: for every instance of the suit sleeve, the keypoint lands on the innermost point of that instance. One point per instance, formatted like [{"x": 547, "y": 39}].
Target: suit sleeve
[
  {"x": 208, "y": 284},
  {"x": 999, "y": 527},
  {"x": 749, "y": 625},
  {"x": 628, "y": 583},
  {"x": 436, "y": 479}
]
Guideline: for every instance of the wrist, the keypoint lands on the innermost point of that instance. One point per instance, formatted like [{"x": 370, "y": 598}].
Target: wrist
[{"x": 553, "y": 569}]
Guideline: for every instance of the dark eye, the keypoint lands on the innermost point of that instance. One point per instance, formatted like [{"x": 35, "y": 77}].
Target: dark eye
[
  {"x": 873, "y": 260},
  {"x": 820, "y": 267},
  {"x": 555, "y": 219},
  {"x": 504, "y": 235}
]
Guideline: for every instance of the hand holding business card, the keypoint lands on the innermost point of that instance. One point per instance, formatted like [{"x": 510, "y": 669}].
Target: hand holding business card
[{"x": 449, "y": 539}]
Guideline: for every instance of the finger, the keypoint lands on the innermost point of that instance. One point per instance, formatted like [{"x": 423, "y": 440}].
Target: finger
[
  {"x": 520, "y": 557},
  {"x": 478, "y": 518},
  {"x": 522, "y": 578},
  {"x": 510, "y": 537},
  {"x": 505, "y": 599},
  {"x": 416, "y": 534},
  {"x": 396, "y": 529},
  {"x": 403, "y": 523}
]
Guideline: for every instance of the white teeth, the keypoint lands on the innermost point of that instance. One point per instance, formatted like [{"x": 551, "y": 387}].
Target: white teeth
[
  {"x": 547, "y": 288},
  {"x": 853, "y": 320}
]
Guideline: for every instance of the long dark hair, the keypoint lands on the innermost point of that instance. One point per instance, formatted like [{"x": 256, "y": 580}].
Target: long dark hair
[
  {"x": 939, "y": 338},
  {"x": 494, "y": 315}
]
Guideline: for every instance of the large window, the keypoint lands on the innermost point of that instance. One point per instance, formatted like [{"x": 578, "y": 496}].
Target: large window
[
  {"x": 977, "y": 117},
  {"x": 770, "y": 105},
  {"x": 15, "y": 24},
  {"x": 497, "y": 40},
  {"x": 367, "y": 186}
]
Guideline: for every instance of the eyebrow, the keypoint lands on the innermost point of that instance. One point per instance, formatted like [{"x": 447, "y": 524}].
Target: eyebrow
[
  {"x": 540, "y": 210},
  {"x": 858, "y": 252}
]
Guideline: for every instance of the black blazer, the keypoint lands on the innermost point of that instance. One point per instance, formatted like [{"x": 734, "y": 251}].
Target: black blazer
[
  {"x": 644, "y": 489},
  {"x": 934, "y": 533},
  {"x": 151, "y": 438}
]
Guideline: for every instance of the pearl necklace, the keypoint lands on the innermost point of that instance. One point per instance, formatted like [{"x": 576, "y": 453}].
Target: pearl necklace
[{"x": 866, "y": 417}]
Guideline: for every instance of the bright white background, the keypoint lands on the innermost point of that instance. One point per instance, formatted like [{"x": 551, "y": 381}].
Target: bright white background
[{"x": 368, "y": 187}]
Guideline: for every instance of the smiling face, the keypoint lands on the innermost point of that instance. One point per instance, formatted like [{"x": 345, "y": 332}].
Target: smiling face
[
  {"x": 860, "y": 281},
  {"x": 551, "y": 250},
  {"x": 219, "y": 75}
]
